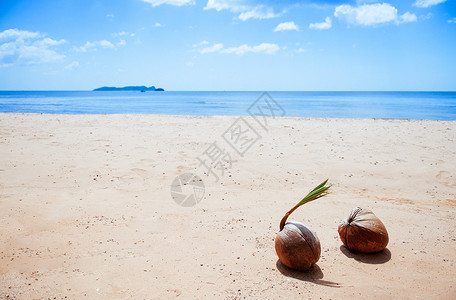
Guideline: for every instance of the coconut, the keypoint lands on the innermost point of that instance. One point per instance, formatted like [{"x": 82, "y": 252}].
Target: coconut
[
  {"x": 296, "y": 245},
  {"x": 363, "y": 231}
]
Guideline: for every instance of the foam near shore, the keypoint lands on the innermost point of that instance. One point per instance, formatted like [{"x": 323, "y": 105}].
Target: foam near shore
[{"x": 86, "y": 208}]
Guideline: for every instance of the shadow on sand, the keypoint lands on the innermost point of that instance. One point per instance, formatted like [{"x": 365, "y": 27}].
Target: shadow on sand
[
  {"x": 373, "y": 258},
  {"x": 314, "y": 275}
]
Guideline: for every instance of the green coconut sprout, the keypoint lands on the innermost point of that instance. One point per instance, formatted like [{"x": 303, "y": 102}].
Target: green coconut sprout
[{"x": 318, "y": 192}]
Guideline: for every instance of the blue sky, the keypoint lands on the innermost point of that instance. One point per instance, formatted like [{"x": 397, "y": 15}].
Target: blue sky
[{"x": 228, "y": 45}]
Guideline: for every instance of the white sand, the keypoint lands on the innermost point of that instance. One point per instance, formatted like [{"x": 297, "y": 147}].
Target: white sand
[{"x": 85, "y": 208}]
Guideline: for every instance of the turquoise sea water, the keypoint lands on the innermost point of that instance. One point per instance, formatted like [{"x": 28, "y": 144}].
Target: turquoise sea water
[{"x": 396, "y": 105}]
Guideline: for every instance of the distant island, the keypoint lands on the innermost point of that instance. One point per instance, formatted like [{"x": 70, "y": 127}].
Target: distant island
[{"x": 141, "y": 88}]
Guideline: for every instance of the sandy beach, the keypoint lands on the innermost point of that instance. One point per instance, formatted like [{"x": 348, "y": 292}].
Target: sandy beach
[{"x": 86, "y": 208}]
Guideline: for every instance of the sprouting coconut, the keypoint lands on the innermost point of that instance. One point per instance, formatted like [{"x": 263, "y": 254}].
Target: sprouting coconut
[
  {"x": 363, "y": 231},
  {"x": 298, "y": 246}
]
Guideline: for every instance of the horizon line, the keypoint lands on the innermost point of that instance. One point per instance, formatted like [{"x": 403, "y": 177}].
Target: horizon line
[{"x": 310, "y": 91}]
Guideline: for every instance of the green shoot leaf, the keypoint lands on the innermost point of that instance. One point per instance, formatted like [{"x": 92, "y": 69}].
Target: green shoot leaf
[{"x": 317, "y": 192}]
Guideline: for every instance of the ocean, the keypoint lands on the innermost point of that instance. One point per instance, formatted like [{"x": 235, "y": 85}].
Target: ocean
[{"x": 390, "y": 105}]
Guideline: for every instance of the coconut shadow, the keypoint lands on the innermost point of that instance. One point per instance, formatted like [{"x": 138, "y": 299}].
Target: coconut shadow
[
  {"x": 313, "y": 275},
  {"x": 372, "y": 258}
]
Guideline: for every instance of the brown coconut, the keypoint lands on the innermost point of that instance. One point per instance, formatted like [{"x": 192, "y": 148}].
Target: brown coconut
[
  {"x": 297, "y": 246},
  {"x": 363, "y": 231}
]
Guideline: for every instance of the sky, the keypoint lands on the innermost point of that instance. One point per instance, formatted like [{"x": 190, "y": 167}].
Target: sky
[{"x": 237, "y": 45}]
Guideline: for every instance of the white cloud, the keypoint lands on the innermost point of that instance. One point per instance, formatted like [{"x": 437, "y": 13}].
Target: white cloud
[
  {"x": 46, "y": 42},
  {"x": 372, "y": 14},
  {"x": 240, "y": 50},
  {"x": 121, "y": 43},
  {"x": 452, "y": 20},
  {"x": 218, "y": 5},
  {"x": 244, "y": 10},
  {"x": 321, "y": 26},
  {"x": 407, "y": 18},
  {"x": 158, "y": 24},
  {"x": 211, "y": 49},
  {"x": 201, "y": 44},
  {"x": 262, "y": 48},
  {"x": 26, "y": 47},
  {"x": 93, "y": 46},
  {"x": 426, "y": 16},
  {"x": 110, "y": 17},
  {"x": 286, "y": 26},
  {"x": 427, "y": 3},
  {"x": 105, "y": 44},
  {"x": 18, "y": 34},
  {"x": 367, "y": 15},
  {"x": 302, "y": 50},
  {"x": 72, "y": 66},
  {"x": 258, "y": 12},
  {"x": 123, "y": 33},
  {"x": 169, "y": 2},
  {"x": 360, "y": 2}
]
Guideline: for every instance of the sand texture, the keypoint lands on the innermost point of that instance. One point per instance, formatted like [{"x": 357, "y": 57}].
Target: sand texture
[{"x": 86, "y": 209}]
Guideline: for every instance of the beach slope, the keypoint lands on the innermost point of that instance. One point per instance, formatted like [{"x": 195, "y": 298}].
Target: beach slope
[{"x": 86, "y": 208}]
